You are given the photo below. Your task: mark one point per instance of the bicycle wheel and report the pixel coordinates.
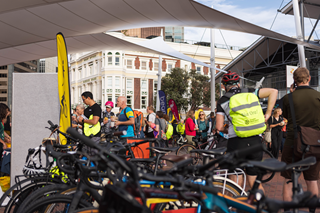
(267, 177)
(18, 186)
(87, 210)
(227, 188)
(55, 204)
(185, 149)
(19, 196)
(40, 193)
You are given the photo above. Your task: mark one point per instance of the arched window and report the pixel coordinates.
(117, 59)
(109, 58)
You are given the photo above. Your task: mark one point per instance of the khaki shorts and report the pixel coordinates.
(311, 174)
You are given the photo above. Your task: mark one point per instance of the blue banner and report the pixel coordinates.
(163, 101)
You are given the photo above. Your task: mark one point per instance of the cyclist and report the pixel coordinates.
(230, 82)
(106, 116)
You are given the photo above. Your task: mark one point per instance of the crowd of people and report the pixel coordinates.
(93, 122)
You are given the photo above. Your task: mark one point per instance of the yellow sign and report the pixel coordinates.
(63, 86)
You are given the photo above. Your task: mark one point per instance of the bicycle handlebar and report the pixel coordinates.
(55, 128)
(90, 143)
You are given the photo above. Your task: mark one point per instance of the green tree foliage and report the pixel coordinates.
(200, 90)
(175, 86)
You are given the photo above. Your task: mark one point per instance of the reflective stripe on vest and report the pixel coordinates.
(246, 128)
(235, 109)
(247, 116)
(90, 129)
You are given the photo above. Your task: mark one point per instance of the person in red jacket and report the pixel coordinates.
(191, 127)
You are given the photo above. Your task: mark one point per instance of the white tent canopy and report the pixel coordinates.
(29, 27)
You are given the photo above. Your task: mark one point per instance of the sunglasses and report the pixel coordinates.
(201, 114)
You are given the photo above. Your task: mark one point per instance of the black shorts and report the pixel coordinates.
(242, 143)
(310, 174)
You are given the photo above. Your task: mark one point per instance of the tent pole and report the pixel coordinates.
(212, 71)
(159, 82)
(302, 58)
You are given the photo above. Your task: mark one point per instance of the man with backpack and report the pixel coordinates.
(245, 115)
(150, 119)
(126, 118)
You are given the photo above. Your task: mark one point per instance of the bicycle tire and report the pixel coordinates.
(231, 188)
(183, 150)
(272, 173)
(17, 199)
(55, 203)
(17, 187)
(87, 210)
(40, 193)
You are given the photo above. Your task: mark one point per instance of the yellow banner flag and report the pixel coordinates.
(63, 86)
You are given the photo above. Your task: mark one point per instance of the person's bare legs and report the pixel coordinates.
(287, 190)
(237, 179)
(251, 180)
(312, 186)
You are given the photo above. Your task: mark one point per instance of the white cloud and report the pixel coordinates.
(260, 16)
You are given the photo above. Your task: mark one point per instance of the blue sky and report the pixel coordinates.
(259, 12)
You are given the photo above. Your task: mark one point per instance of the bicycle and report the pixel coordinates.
(178, 140)
(208, 145)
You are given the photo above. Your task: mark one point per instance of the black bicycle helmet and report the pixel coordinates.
(230, 78)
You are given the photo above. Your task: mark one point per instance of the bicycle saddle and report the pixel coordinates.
(175, 158)
(309, 161)
(218, 151)
(270, 164)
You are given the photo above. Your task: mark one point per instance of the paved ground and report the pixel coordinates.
(273, 188)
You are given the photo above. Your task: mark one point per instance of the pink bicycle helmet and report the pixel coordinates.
(109, 103)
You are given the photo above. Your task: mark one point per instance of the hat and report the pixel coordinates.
(109, 104)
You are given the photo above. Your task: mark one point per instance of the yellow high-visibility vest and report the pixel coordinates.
(90, 129)
(247, 115)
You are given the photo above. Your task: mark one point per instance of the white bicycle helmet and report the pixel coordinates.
(33, 166)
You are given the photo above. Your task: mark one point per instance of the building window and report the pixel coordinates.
(109, 97)
(3, 75)
(129, 101)
(3, 98)
(109, 58)
(143, 65)
(129, 84)
(117, 61)
(199, 70)
(144, 85)
(155, 88)
(117, 82)
(109, 81)
(129, 64)
(143, 102)
(169, 67)
(91, 69)
(156, 66)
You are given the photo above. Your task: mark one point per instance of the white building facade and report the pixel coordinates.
(110, 74)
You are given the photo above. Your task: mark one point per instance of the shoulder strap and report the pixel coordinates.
(228, 94)
(293, 116)
(243, 90)
(124, 112)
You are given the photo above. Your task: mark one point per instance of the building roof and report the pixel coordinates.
(28, 28)
(311, 9)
